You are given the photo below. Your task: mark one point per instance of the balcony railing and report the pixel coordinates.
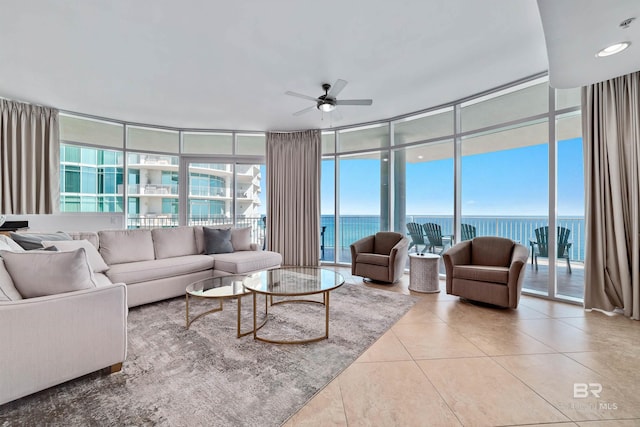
(153, 189)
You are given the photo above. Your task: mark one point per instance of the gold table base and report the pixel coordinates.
(239, 333)
(325, 302)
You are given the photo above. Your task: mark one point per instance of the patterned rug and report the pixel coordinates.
(207, 376)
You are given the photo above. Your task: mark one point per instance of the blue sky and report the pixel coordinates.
(511, 182)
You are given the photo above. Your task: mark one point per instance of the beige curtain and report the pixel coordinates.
(611, 134)
(293, 194)
(29, 159)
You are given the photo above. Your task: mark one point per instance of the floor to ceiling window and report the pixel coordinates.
(483, 166)
(220, 185)
(363, 186)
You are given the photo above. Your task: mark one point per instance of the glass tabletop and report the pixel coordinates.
(217, 287)
(293, 281)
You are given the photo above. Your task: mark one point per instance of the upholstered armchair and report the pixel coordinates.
(487, 269)
(381, 257)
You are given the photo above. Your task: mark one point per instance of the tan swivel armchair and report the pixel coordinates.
(487, 269)
(381, 257)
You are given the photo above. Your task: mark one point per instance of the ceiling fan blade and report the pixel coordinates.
(299, 95)
(337, 88)
(298, 113)
(354, 102)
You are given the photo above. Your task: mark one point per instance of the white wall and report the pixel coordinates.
(72, 221)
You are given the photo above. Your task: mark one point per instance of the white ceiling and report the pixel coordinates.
(226, 65)
(575, 30)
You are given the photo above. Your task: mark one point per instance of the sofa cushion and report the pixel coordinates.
(91, 236)
(8, 291)
(491, 250)
(118, 246)
(143, 271)
(8, 244)
(241, 239)
(217, 240)
(375, 259)
(41, 273)
(481, 273)
(93, 256)
(101, 279)
(384, 241)
(173, 242)
(246, 261)
(30, 241)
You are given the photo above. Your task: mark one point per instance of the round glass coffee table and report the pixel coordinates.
(292, 282)
(219, 288)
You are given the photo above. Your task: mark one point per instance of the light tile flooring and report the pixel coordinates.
(448, 362)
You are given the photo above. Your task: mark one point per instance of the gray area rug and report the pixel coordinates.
(207, 376)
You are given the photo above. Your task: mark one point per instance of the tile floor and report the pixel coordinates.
(450, 363)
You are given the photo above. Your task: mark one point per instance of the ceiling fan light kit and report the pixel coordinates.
(328, 102)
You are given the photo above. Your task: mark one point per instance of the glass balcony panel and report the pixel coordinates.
(207, 143)
(567, 98)
(361, 192)
(90, 131)
(431, 125)
(251, 144)
(570, 264)
(505, 106)
(362, 138)
(152, 139)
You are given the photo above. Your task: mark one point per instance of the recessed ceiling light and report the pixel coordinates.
(613, 49)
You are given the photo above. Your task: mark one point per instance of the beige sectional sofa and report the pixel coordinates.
(48, 340)
(158, 264)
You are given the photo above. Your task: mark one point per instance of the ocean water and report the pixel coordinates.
(520, 229)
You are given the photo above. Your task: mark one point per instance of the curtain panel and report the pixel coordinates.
(611, 134)
(29, 159)
(293, 194)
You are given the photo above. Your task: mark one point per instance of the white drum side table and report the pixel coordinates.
(423, 273)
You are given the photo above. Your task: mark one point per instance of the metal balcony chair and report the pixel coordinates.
(416, 233)
(540, 246)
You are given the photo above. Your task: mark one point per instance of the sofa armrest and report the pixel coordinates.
(516, 273)
(53, 339)
(255, 247)
(459, 254)
(398, 258)
(359, 246)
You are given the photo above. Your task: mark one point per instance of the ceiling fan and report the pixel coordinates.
(328, 102)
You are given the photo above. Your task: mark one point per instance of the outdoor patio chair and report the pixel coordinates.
(468, 231)
(540, 246)
(416, 233)
(433, 232)
(487, 269)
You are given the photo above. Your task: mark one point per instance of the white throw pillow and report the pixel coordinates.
(8, 244)
(93, 256)
(37, 274)
(241, 239)
(8, 291)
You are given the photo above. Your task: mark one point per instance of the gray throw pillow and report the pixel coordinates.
(30, 241)
(217, 240)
